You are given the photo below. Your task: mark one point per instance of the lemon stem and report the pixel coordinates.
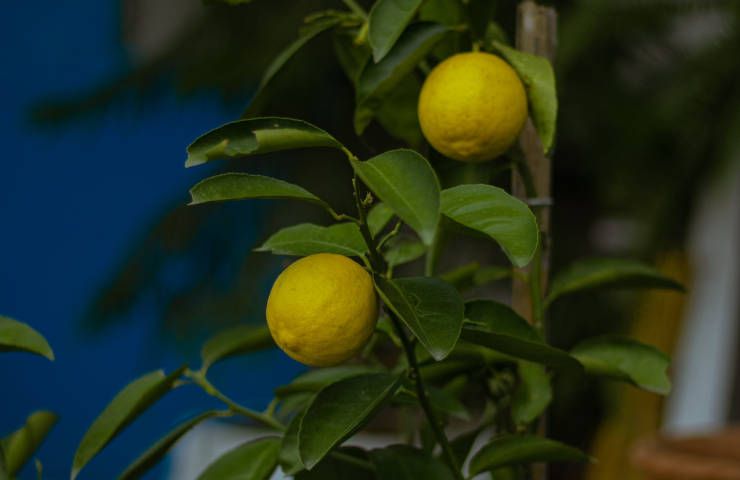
(376, 261)
(426, 406)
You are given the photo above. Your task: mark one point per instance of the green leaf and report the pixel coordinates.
(156, 452)
(342, 464)
(20, 445)
(447, 404)
(625, 359)
(495, 213)
(539, 80)
(235, 341)
(397, 112)
(386, 22)
(607, 273)
(403, 250)
(474, 275)
(289, 457)
(462, 445)
(431, 308)
(242, 186)
(16, 336)
(523, 449)
(378, 217)
(498, 327)
(255, 460)
(340, 410)
(255, 136)
(403, 462)
(125, 407)
(379, 79)
(307, 239)
(532, 394)
(307, 33)
(319, 378)
(405, 182)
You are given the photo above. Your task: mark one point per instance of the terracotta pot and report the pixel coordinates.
(708, 457)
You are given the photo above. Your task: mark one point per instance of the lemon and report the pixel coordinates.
(322, 309)
(472, 107)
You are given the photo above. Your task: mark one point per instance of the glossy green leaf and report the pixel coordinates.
(625, 359)
(386, 22)
(16, 336)
(378, 217)
(255, 136)
(405, 182)
(607, 273)
(20, 445)
(498, 327)
(523, 449)
(289, 457)
(125, 407)
(403, 462)
(539, 80)
(431, 308)
(532, 394)
(403, 250)
(153, 455)
(495, 213)
(308, 239)
(397, 112)
(352, 57)
(339, 410)
(306, 34)
(319, 378)
(235, 341)
(254, 460)
(243, 186)
(378, 79)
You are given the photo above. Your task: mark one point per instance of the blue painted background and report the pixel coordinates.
(72, 200)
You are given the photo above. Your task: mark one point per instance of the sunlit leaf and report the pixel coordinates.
(235, 341)
(255, 136)
(431, 308)
(539, 80)
(405, 182)
(307, 239)
(523, 449)
(387, 20)
(625, 359)
(607, 273)
(156, 452)
(20, 445)
(125, 407)
(339, 410)
(254, 460)
(492, 211)
(16, 336)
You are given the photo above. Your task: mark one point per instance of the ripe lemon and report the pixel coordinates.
(322, 309)
(472, 107)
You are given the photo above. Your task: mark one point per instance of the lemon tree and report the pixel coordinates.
(365, 300)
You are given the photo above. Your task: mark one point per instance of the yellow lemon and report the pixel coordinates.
(472, 107)
(322, 309)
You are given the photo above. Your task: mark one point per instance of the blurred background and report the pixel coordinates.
(99, 253)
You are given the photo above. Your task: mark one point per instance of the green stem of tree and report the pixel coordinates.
(426, 406)
(208, 387)
(355, 8)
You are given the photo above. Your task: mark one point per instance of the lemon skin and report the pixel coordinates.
(322, 309)
(472, 107)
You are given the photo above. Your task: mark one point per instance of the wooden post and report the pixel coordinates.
(536, 32)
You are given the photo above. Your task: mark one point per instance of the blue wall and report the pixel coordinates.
(72, 200)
